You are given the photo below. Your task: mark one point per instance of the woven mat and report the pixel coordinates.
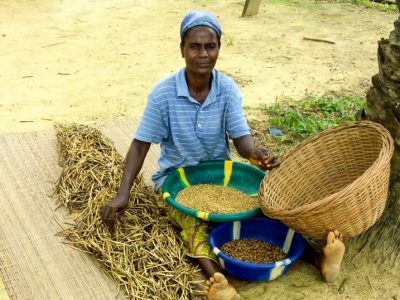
(34, 264)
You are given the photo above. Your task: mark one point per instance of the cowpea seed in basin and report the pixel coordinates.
(215, 199)
(253, 251)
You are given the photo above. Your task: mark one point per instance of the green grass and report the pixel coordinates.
(296, 3)
(313, 114)
(309, 3)
(300, 119)
(370, 4)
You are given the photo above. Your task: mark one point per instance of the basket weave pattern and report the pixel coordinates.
(335, 180)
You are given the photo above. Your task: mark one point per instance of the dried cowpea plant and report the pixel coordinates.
(142, 253)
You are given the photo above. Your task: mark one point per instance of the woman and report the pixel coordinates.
(191, 114)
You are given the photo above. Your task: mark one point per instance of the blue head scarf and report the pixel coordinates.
(200, 18)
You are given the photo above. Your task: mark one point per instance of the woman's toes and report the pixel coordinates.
(330, 237)
(218, 277)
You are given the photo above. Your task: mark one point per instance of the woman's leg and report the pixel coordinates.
(218, 288)
(194, 232)
(332, 256)
(328, 262)
(208, 266)
(311, 255)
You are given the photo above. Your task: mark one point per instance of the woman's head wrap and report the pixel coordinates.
(200, 18)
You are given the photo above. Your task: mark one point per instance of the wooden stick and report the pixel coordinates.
(318, 40)
(53, 44)
(341, 287)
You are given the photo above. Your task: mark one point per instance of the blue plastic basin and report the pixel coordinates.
(263, 229)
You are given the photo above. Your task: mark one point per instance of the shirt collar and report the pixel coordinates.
(182, 88)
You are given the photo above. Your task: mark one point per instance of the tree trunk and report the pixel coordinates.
(383, 98)
(381, 243)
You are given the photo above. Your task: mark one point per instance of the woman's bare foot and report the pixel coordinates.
(332, 256)
(218, 288)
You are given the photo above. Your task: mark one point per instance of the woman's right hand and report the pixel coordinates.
(114, 210)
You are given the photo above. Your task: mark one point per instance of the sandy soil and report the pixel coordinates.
(360, 278)
(97, 60)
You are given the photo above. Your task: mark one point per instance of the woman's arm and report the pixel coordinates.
(133, 164)
(260, 157)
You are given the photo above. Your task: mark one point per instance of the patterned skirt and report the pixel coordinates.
(193, 231)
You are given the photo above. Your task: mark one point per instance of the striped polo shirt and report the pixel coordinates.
(189, 132)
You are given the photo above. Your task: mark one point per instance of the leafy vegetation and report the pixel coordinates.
(296, 3)
(300, 119)
(313, 114)
(371, 4)
(365, 3)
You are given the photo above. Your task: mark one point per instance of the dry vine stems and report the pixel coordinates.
(142, 254)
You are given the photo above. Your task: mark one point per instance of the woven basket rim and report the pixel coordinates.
(334, 199)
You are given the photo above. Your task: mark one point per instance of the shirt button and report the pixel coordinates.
(199, 125)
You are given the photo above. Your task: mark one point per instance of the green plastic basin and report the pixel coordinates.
(237, 175)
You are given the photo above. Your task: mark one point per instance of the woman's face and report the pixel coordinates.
(200, 50)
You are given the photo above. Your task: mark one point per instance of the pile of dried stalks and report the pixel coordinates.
(142, 253)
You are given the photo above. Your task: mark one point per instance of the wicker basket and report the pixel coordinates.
(337, 179)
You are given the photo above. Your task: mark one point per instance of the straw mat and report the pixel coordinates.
(34, 264)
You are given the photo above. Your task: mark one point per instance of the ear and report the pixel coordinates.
(182, 53)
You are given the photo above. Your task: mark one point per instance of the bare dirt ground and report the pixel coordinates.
(97, 60)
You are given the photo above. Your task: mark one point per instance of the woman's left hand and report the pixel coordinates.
(263, 159)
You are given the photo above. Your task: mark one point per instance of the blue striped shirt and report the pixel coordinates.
(190, 132)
